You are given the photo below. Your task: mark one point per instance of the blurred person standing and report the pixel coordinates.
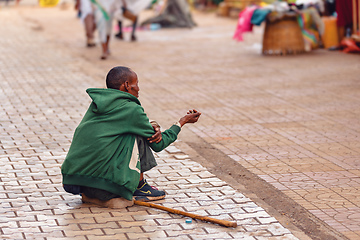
(344, 10)
(87, 17)
(173, 14)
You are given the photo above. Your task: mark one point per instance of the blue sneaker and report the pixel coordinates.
(147, 193)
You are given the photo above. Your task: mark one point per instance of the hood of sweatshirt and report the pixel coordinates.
(106, 99)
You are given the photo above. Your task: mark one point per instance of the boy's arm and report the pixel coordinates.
(170, 135)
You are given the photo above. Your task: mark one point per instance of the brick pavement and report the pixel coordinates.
(42, 100)
(291, 121)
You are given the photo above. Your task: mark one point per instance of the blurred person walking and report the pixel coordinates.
(104, 14)
(129, 9)
(87, 17)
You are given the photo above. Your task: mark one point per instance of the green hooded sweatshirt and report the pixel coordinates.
(103, 153)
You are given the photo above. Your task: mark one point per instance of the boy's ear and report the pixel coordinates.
(126, 86)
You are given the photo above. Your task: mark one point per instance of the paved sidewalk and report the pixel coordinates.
(42, 100)
(290, 121)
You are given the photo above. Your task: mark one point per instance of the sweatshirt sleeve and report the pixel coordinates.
(141, 125)
(168, 136)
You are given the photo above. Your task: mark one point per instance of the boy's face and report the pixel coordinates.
(133, 87)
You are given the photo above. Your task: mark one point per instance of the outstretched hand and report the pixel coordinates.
(192, 116)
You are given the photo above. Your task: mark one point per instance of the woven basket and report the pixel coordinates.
(282, 37)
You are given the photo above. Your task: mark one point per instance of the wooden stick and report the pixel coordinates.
(194, 216)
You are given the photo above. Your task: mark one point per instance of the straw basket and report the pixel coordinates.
(283, 36)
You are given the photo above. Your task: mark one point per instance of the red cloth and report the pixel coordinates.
(344, 12)
(244, 23)
(349, 46)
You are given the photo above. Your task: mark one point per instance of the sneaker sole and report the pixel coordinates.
(148, 199)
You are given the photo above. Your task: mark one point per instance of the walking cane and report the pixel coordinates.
(194, 216)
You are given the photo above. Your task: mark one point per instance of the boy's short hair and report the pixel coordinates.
(118, 76)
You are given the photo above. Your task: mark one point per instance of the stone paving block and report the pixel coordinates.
(242, 236)
(266, 220)
(135, 235)
(180, 157)
(171, 227)
(184, 231)
(15, 235)
(108, 225)
(110, 237)
(136, 224)
(74, 237)
(172, 149)
(219, 212)
(75, 233)
(225, 203)
(284, 237)
(202, 195)
(277, 229)
(24, 230)
(247, 221)
(241, 216)
(351, 234)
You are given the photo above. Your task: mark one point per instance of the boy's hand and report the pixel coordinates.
(192, 116)
(157, 137)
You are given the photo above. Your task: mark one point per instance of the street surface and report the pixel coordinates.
(277, 147)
